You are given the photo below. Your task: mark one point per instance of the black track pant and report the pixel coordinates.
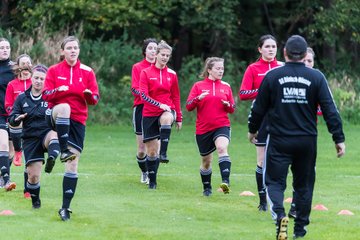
(300, 152)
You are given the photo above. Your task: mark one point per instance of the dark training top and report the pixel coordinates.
(290, 94)
(34, 124)
(6, 75)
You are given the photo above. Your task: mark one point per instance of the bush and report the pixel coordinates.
(345, 89)
(112, 62)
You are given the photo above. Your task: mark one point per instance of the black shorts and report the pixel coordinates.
(151, 127)
(3, 123)
(263, 133)
(137, 119)
(206, 141)
(76, 132)
(34, 149)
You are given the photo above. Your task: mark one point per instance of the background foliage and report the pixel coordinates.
(111, 33)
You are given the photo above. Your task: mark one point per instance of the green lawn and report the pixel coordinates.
(111, 203)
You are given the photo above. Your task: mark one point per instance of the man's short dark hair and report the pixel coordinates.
(296, 47)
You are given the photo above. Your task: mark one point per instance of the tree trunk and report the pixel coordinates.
(4, 12)
(329, 52)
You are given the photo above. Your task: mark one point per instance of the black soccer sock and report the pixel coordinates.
(142, 163)
(206, 177)
(15, 134)
(34, 190)
(165, 131)
(26, 177)
(5, 166)
(260, 184)
(153, 165)
(69, 187)
(62, 128)
(53, 148)
(225, 168)
(10, 162)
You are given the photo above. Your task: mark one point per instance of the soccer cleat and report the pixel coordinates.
(50, 163)
(152, 185)
(262, 207)
(225, 188)
(297, 236)
(299, 232)
(18, 158)
(9, 186)
(282, 228)
(67, 155)
(27, 195)
(163, 158)
(207, 192)
(144, 177)
(37, 204)
(292, 213)
(64, 214)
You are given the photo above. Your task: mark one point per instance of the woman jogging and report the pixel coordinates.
(69, 87)
(160, 93)
(213, 100)
(6, 75)
(29, 109)
(149, 52)
(22, 71)
(251, 81)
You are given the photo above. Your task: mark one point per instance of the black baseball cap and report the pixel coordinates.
(296, 45)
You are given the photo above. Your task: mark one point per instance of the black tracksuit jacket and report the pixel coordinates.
(290, 95)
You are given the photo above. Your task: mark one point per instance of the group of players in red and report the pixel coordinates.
(47, 109)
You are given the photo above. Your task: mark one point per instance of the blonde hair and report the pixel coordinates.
(310, 50)
(163, 45)
(4, 40)
(209, 64)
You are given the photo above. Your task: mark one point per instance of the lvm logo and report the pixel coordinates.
(294, 92)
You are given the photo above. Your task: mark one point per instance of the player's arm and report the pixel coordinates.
(9, 98)
(91, 93)
(135, 78)
(247, 91)
(17, 114)
(229, 103)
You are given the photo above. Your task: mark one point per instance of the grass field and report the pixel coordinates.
(111, 203)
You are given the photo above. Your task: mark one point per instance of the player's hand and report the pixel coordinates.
(252, 137)
(226, 103)
(178, 125)
(63, 88)
(87, 92)
(165, 107)
(20, 117)
(340, 149)
(202, 95)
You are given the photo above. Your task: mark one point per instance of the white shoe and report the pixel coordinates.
(144, 177)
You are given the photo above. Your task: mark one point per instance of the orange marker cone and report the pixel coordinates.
(7, 212)
(247, 193)
(320, 207)
(346, 212)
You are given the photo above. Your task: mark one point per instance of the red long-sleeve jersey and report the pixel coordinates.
(135, 80)
(159, 86)
(253, 77)
(211, 112)
(78, 78)
(13, 89)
